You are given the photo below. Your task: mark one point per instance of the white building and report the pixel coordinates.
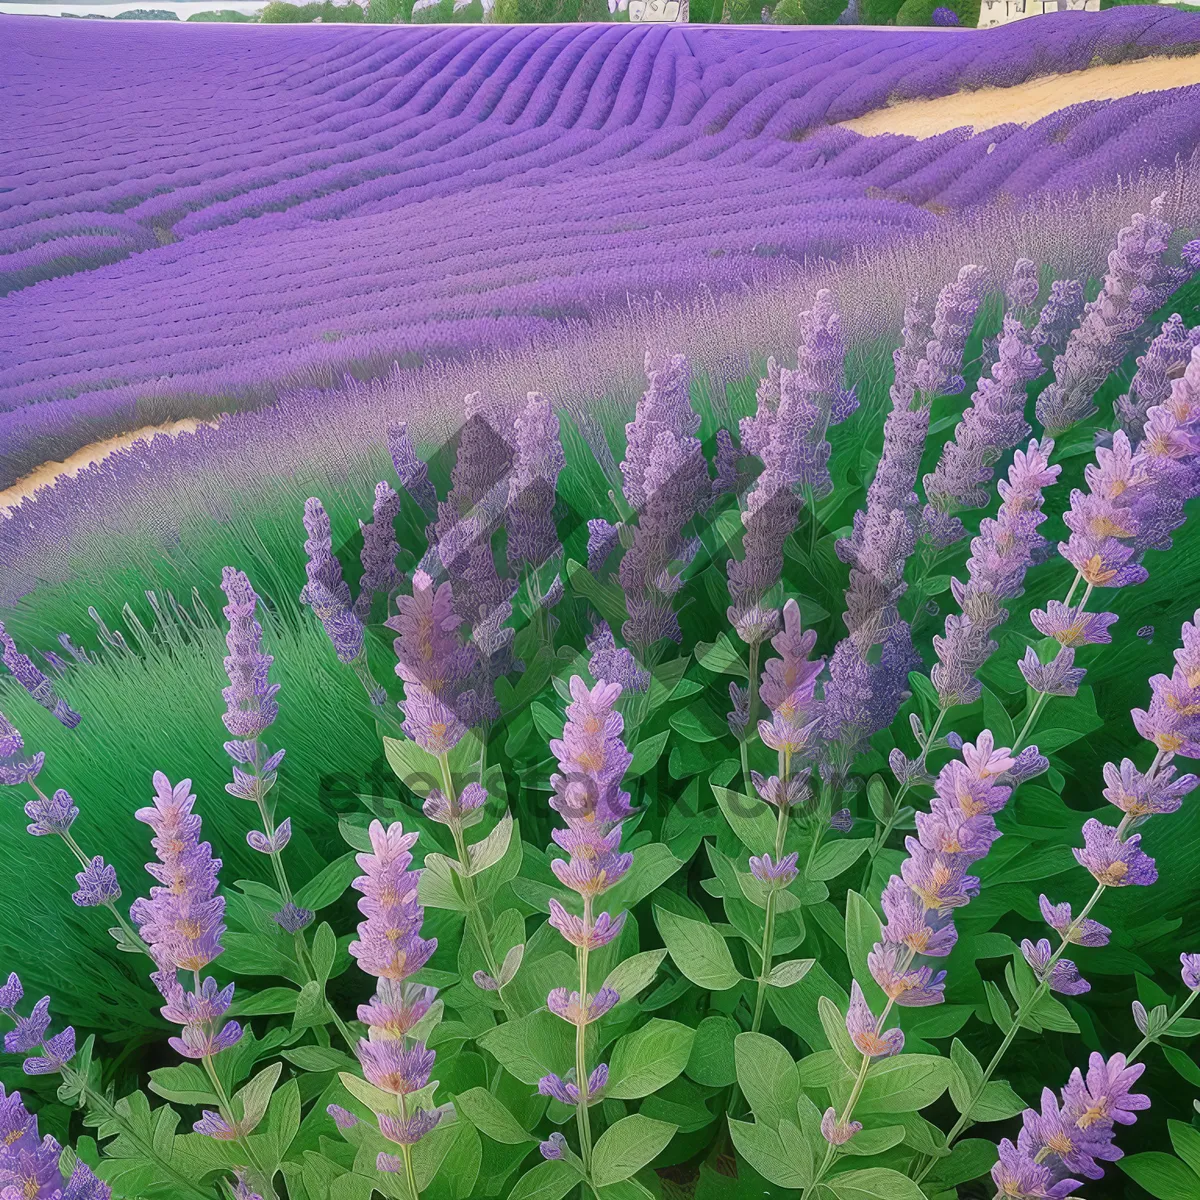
(1000, 12)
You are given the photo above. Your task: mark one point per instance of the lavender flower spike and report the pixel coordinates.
(532, 536)
(34, 681)
(1071, 1136)
(1138, 281)
(410, 470)
(379, 574)
(17, 765)
(326, 592)
(391, 948)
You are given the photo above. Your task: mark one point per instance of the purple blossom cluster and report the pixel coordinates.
(592, 760)
(1006, 547)
(181, 921)
(390, 948)
(1072, 1135)
(666, 484)
(326, 592)
(43, 1056)
(35, 681)
(1138, 282)
(29, 1166)
(958, 830)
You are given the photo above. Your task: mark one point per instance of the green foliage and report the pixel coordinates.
(278, 12)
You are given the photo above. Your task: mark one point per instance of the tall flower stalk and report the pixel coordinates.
(1113, 856)
(181, 922)
(592, 760)
(390, 948)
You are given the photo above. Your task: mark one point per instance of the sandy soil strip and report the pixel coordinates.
(1025, 103)
(50, 473)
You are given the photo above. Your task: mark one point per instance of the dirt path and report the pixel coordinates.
(1025, 103)
(50, 473)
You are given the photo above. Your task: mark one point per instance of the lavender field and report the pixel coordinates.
(661, 657)
(246, 210)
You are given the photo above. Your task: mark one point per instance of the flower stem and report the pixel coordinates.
(406, 1154)
(582, 1118)
(226, 1109)
(748, 732)
(766, 953)
(883, 832)
(474, 911)
(1137, 1050)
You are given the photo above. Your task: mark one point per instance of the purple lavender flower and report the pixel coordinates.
(725, 461)
(433, 663)
(1021, 290)
(291, 918)
(1071, 626)
(17, 766)
(250, 698)
(553, 1147)
(465, 809)
(602, 541)
(1063, 976)
(939, 371)
(774, 875)
(410, 470)
(11, 994)
(1190, 253)
(788, 686)
(1172, 723)
(576, 1011)
(391, 948)
(864, 1028)
(919, 903)
(50, 815)
(34, 681)
(1112, 861)
(97, 885)
(532, 536)
(1059, 316)
(1000, 557)
(379, 574)
(617, 665)
(565, 1090)
(1138, 281)
(841, 821)
(1191, 970)
(326, 592)
(29, 1166)
(342, 1118)
(1080, 933)
(389, 945)
(1075, 1136)
(832, 1131)
(30, 1035)
(590, 937)
(1060, 677)
(30, 1031)
(1144, 795)
(405, 1132)
(181, 921)
(991, 426)
(1165, 359)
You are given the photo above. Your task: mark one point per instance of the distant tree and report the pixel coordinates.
(146, 14)
(945, 17)
(230, 15)
(880, 12)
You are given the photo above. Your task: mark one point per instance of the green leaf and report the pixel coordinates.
(996, 1102)
(547, 1181)
(874, 1141)
(905, 1083)
(647, 752)
(721, 657)
(329, 884)
(998, 1006)
(698, 723)
(256, 1095)
(711, 1061)
(489, 1116)
(1184, 1065)
(996, 718)
(752, 819)
(880, 799)
(833, 1022)
(698, 950)
(836, 857)
(607, 598)
(628, 1146)
(875, 1183)
(787, 974)
(767, 1076)
(648, 1059)
(763, 1148)
(1186, 1141)
(1163, 1176)
(863, 930)
(184, 1084)
(531, 1046)
(376, 1099)
(417, 769)
(634, 974)
(324, 950)
(311, 1008)
(438, 886)
(653, 865)
(970, 1158)
(319, 1058)
(491, 849)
